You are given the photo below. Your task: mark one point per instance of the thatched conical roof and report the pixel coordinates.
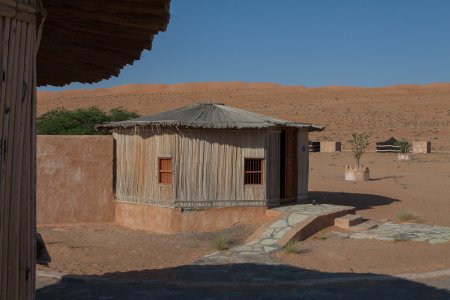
(88, 41)
(209, 115)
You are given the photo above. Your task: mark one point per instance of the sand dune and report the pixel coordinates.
(404, 111)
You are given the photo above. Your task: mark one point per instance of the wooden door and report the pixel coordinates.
(290, 167)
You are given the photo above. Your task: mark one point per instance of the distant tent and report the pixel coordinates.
(314, 146)
(388, 146)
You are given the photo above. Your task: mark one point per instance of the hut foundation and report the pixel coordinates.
(175, 220)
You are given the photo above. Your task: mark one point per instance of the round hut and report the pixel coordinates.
(206, 156)
(82, 40)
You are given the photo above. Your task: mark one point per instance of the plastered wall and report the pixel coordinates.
(74, 179)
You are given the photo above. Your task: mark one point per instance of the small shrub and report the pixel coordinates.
(405, 217)
(221, 241)
(404, 146)
(359, 144)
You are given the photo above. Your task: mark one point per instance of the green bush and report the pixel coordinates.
(81, 121)
(404, 146)
(359, 144)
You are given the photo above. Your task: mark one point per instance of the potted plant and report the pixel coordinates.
(404, 148)
(359, 144)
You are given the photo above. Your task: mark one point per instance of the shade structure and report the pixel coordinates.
(90, 40)
(81, 40)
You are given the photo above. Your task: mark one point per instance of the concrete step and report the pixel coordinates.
(364, 226)
(348, 221)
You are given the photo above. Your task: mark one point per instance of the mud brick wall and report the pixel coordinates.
(74, 179)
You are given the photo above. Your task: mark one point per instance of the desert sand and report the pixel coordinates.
(420, 187)
(87, 249)
(415, 112)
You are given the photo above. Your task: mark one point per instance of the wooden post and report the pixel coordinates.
(18, 48)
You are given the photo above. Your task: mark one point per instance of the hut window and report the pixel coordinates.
(253, 171)
(165, 170)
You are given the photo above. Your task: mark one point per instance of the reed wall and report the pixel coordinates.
(137, 166)
(208, 167)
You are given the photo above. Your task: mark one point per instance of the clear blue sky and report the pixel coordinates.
(310, 43)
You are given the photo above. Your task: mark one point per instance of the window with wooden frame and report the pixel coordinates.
(253, 171)
(165, 170)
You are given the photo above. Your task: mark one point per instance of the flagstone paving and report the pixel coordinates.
(257, 250)
(405, 232)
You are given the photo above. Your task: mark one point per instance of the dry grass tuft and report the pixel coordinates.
(404, 217)
(221, 241)
(292, 248)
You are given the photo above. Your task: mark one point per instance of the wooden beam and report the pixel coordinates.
(17, 156)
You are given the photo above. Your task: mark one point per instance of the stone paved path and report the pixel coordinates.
(257, 250)
(406, 232)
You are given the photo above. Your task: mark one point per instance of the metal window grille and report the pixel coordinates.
(165, 170)
(253, 171)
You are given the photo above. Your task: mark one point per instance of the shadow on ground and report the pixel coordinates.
(386, 177)
(359, 201)
(237, 281)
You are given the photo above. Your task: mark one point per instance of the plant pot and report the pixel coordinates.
(360, 173)
(403, 156)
